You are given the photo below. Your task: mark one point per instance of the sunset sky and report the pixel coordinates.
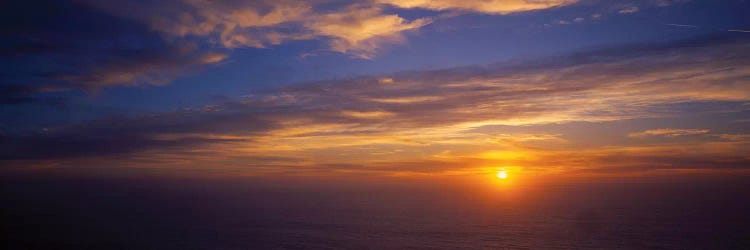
(375, 88)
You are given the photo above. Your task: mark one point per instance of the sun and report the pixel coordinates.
(501, 174)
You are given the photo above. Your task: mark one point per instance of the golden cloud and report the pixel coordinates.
(482, 6)
(361, 31)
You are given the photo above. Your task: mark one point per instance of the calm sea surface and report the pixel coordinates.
(107, 214)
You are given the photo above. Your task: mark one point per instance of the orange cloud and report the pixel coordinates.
(482, 6)
(360, 31)
(367, 114)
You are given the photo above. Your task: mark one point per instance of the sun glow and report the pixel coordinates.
(502, 174)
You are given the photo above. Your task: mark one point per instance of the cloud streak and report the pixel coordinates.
(501, 7)
(669, 132)
(359, 29)
(362, 31)
(66, 47)
(430, 117)
(95, 44)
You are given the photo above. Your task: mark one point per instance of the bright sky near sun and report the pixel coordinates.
(502, 174)
(375, 87)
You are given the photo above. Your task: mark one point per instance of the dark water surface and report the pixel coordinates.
(130, 214)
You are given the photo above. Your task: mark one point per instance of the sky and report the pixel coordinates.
(375, 88)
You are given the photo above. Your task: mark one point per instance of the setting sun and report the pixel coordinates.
(501, 174)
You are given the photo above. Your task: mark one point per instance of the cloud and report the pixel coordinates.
(367, 115)
(362, 31)
(629, 10)
(666, 3)
(501, 7)
(134, 135)
(416, 116)
(231, 23)
(82, 48)
(358, 28)
(659, 158)
(681, 25)
(93, 44)
(20, 94)
(699, 27)
(669, 132)
(147, 68)
(735, 137)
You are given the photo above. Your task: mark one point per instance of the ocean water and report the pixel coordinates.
(140, 214)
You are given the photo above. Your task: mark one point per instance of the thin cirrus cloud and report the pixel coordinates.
(142, 69)
(669, 132)
(429, 119)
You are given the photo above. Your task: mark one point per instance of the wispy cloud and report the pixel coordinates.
(141, 69)
(362, 31)
(629, 10)
(698, 27)
(359, 28)
(415, 117)
(482, 6)
(104, 43)
(666, 3)
(669, 132)
(231, 23)
(681, 25)
(83, 48)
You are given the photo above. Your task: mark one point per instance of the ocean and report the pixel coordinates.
(192, 214)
